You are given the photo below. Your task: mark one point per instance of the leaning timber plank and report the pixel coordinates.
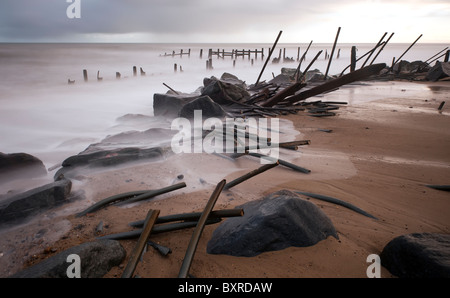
(357, 75)
(280, 96)
(152, 215)
(187, 261)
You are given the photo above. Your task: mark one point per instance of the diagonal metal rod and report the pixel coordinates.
(378, 44)
(184, 270)
(382, 47)
(268, 58)
(332, 52)
(396, 61)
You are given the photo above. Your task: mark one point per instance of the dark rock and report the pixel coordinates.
(223, 92)
(418, 255)
(205, 104)
(153, 137)
(32, 202)
(290, 72)
(281, 79)
(20, 165)
(278, 221)
(170, 104)
(314, 76)
(439, 71)
(106, 158)
(232, 79)
(406, 67)
(96, 259)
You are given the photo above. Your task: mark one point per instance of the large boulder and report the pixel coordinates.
(406, 67)
(277, 221)
(439, 71)
(169, 105)
(20, 166)
(205, 104)
(96, 259)
(20, 207)
(223, 92)
(418, 255)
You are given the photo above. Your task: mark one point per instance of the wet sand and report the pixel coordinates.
(379, 156)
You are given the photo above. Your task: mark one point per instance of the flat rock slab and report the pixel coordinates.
(106, 158)
(32, 202)
(277, 221)
(418, 255)
(96, 259)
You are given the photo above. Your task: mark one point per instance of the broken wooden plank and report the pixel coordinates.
(280, 96)
(357, 75)
(152, 215)
(187, 261)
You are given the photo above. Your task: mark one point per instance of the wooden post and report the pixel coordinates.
(117, 75)
(175, 67)
(298, 53)
(441, 105)
(353, 59)
(201, 53)
(142, 72)
(332, 52)
(134, 71)
(234, 63)
(268, 58)
(98, 76)
(338, 54)
(85, 75)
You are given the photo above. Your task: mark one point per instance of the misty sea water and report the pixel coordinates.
(43, 115)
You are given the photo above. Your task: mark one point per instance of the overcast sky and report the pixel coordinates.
(237, 21)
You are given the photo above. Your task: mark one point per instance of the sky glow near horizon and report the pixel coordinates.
(233, 21)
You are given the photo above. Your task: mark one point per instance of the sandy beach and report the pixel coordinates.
(379, 156)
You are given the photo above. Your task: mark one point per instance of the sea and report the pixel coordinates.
(42, 114)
